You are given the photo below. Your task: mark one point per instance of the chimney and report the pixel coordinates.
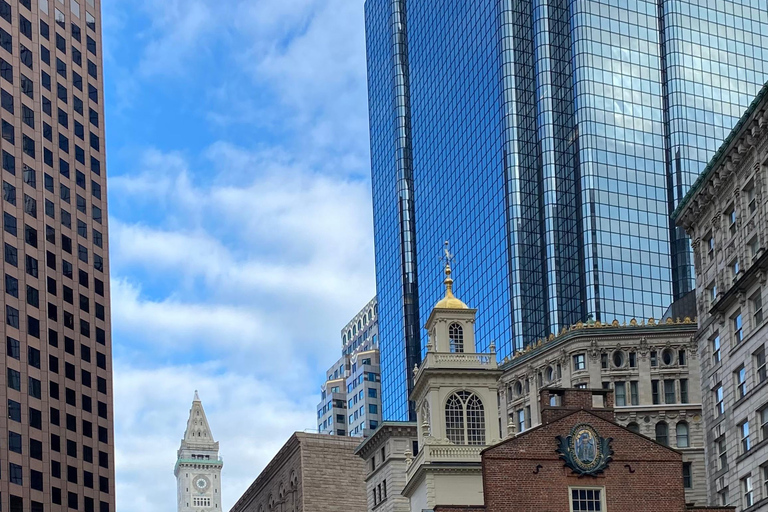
(558, 402)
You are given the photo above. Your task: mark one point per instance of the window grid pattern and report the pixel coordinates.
(465, 419)
(586, 500)
(456, 335)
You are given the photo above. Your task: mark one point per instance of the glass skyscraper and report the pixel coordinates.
(549, 141)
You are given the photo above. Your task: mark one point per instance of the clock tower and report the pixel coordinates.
(198, 465)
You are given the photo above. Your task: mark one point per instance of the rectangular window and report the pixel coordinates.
(579, 362)
(719, 404)
(621, 394)
(760, 365)
(740, 377)
(732, 217)
(757, 309)
(716, 349)
(687, 475)
(655, 392)
(738, 334)
(669, 392)
(762, 416)
(746, 489)
(683, 391)
(634, 393)
(746, 443)
(587, 499)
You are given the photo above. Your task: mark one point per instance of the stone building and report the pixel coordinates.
(580, 459)
(726, 216)
(310, 473)
(350, 398)
(386, 454)
(198, 465)
(652, 368)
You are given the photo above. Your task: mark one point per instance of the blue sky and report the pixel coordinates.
(240, 223)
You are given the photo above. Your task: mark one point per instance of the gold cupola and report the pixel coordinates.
(449, 301)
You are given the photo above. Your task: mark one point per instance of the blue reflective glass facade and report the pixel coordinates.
(548, 141)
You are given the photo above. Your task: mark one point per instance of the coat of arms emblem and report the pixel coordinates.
(584, 451)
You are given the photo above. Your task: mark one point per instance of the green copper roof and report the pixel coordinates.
(721, 152)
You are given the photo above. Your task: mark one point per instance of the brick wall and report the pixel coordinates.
(525, 474)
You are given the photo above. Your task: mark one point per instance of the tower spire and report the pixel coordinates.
(449, 301)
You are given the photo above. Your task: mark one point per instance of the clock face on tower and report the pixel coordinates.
(201, 483)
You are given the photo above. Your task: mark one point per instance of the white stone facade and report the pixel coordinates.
(726, 217)
(198, 465)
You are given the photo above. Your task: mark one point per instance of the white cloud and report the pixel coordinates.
(250, 417)
(247, 276)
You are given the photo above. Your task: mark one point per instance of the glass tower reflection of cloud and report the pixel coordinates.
(549, 141)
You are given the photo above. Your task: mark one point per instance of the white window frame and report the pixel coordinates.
(572, 488)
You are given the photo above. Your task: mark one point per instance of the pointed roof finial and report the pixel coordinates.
(449, 301)
(197, 397)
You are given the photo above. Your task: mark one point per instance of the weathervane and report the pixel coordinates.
(447, 256)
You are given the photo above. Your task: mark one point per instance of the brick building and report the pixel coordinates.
(310, 473)
(578, 459)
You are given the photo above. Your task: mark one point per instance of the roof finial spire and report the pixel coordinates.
(449, 301)
(197, 397)
(448, 281)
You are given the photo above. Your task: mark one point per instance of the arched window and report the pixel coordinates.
(344, 339)
(682, 435)
(662, 433)
(456, 335)
(634, 427)
(550, 374)
(465, 419)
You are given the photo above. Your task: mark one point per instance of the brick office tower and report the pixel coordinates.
(580, 459)
(56, 438)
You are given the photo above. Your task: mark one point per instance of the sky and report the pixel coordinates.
(240, 223)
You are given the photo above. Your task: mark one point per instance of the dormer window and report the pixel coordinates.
(456, 335)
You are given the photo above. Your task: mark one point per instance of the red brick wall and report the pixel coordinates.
(525, 474)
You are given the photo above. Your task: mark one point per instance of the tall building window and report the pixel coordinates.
(683, 391)
(621, 394)
(740, 377)
(589, 499)
(687, 475)
(669, 391)
(716, 349)
(722, 453)
(682, 435)
(465, 419)
(746, 489)
(738, 333)
(655, 392)
(732, 220)
(634, 394)
(719, 404)
(757, 309)
(456, 335)
(579, 362)
(760, 365)
(521, 420)
(662, 433)
(746, 444)
(762, 415)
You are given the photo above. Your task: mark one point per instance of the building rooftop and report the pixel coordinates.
(582, 328)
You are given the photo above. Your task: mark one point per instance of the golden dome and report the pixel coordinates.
(449, 301)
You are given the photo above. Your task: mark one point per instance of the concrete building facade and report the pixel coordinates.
(350, 398)
(726, 216)
(57, 432)
(198, 465)
(386, 454)
(652, 368)
(310, 473)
